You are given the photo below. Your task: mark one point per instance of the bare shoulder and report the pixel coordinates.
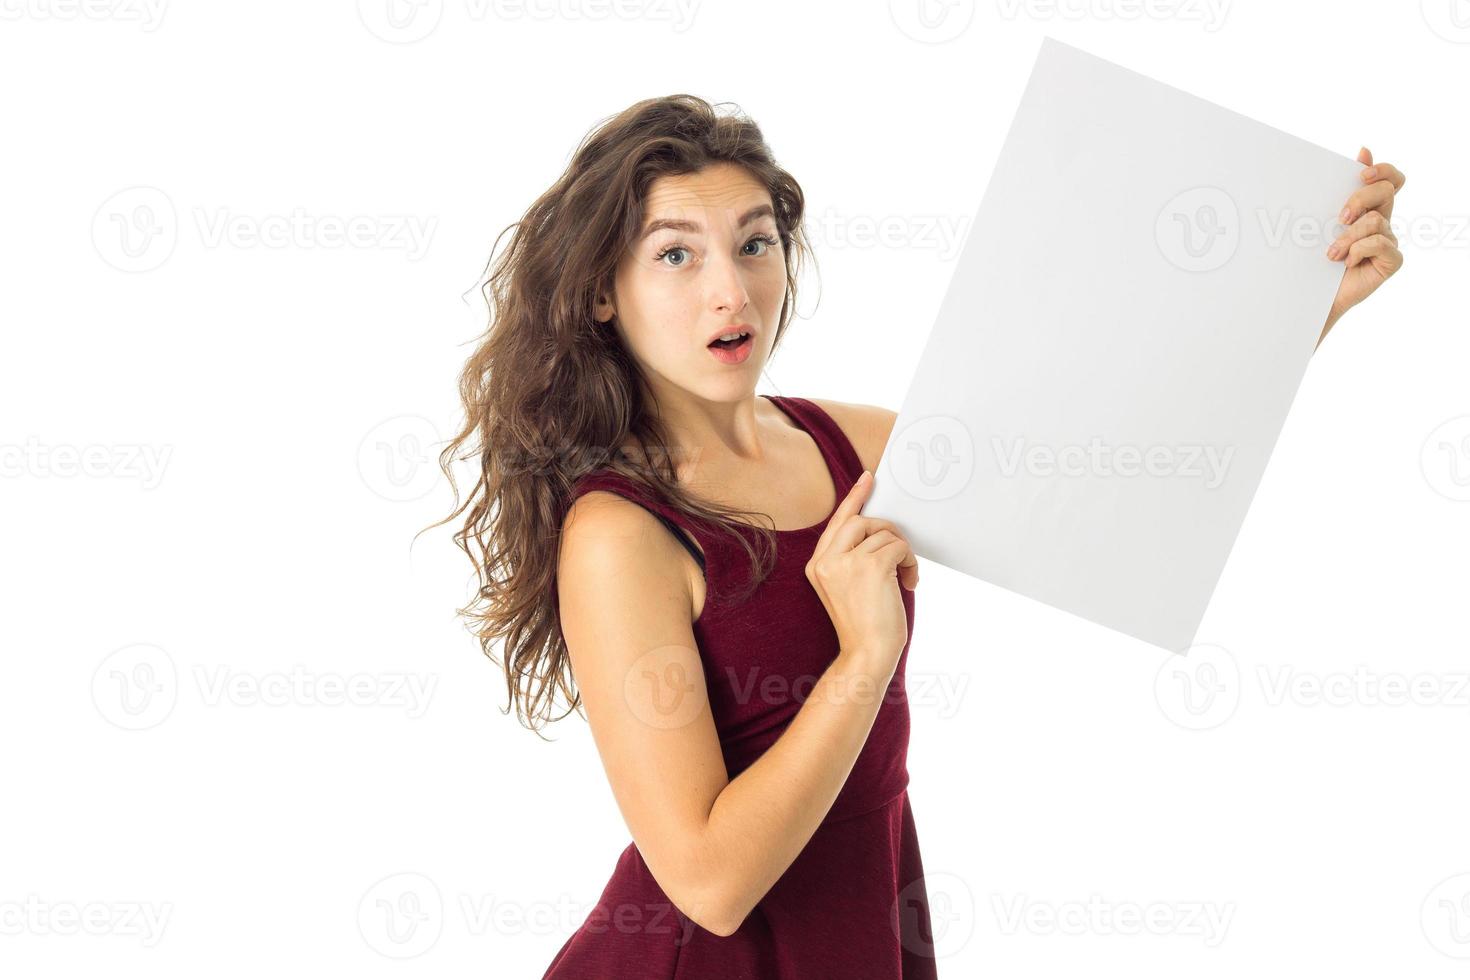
(610, 542)
(867, 427)
(625, 616)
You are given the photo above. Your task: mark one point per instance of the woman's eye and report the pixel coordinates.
(671, 250)
(764, 242)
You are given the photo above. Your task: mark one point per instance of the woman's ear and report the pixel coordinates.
(603, 309)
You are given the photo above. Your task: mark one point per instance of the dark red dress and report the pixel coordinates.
(853, 905)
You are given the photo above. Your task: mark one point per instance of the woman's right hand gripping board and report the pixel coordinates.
(857, 568)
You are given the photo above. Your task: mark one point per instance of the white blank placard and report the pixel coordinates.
(1143, 284)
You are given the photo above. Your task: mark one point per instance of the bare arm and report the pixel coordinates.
(1332, 318)
(714, 845)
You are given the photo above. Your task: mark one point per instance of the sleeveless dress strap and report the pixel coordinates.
(667, 515)
(720, 558)
(842, 458)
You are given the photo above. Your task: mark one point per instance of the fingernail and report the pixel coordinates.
(1370, 173)
(1332, 250)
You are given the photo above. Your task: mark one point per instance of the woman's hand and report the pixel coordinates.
(1368, 246)
(856, 568)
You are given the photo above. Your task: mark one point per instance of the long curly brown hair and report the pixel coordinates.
(549, 395)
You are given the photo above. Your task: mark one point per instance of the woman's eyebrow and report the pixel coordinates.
(694, 227)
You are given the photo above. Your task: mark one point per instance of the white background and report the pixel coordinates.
(179, 774)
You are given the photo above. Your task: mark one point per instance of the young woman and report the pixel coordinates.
(743, 678)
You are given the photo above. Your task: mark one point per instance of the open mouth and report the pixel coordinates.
(730, 344)
(732, 351)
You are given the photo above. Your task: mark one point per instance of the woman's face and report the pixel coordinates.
(709, 262)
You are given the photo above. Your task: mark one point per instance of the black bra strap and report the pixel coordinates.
(678, 532)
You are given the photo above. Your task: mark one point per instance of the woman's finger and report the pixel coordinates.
(1376, 246)
(1372, 223)
(902, 555)
(1385, 171)
(1377, 196)
(908, 568)
(876, 540)
(857, 528)
(850, 505)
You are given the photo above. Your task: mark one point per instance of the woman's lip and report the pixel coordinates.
(736, 354)
(734, 328)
